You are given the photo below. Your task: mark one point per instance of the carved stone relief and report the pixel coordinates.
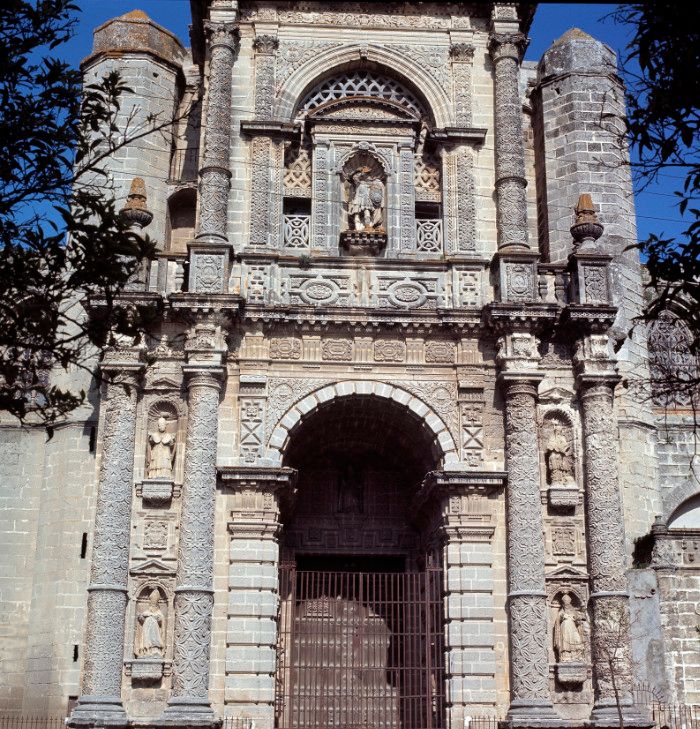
(471, 414)
(283, 393)
(294, 54)
(462, 55)
(261, 164)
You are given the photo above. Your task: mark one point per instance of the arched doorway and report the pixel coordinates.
(360, 632)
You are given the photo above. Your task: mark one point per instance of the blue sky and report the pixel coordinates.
(656, 207)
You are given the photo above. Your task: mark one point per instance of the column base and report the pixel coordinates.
(533, 713)
(190, 713)
(98, 711)
(605, 714)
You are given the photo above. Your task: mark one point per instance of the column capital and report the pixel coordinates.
(461, 52)
(123, 363)
(439, 486)
(259, 492)
(222, 34)
(518, 358)
(266, 44)
(507, 45)
(594, 361)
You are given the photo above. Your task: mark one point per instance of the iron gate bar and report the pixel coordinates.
(359, 650)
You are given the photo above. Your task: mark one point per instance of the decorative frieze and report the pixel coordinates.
(440, 351)
(339, 350)
(285, 348)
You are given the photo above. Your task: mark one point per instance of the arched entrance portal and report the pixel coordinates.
(360, 634)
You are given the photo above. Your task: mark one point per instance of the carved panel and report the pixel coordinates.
(257, 284)
(285, 348)
(403, 292)
(297, 171)
(318, 290)
(441, 351)
(389, 350)
(294, 54)
(155, 534)
(337, 349)
(283, 393)
(471, 414)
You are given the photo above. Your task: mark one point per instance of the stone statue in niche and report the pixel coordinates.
(558, 455)
(350, 489)
(151, 619)
(366, 207)
(568, 639)
(161, 455)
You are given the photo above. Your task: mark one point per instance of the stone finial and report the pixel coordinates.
(135, 210)
(587, 229)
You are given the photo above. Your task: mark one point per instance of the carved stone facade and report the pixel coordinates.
(365, 371)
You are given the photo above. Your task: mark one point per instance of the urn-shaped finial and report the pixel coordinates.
(587, 229)
(135, 211)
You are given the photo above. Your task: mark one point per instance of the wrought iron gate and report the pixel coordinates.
(360, 650)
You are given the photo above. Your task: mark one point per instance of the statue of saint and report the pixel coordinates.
(568, 642)
(559, 459)
(350, 489)
(367, 204)
(151, 620)
(162, 451)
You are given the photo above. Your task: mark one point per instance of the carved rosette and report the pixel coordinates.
(214, 174)
(526, 583)
(606, 549)
(194, 594)
(107, 593)
(506, 50)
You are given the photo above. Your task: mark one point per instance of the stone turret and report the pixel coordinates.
(149, 59)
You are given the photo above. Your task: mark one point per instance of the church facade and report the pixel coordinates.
(387, 457)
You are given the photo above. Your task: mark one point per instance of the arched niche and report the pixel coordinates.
(151, 623)
(182, 212)
(558, 459)
(162, 440)
(687, 515)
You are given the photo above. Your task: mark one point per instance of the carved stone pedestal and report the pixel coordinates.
(155, 491)
(572, 673)
(363, 242)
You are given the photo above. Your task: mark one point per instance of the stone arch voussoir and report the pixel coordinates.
(444, 446)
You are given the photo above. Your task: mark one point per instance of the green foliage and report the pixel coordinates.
(664, 131)
(61, 237)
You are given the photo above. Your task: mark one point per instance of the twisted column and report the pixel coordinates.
(194, 595)
(529, 658)
(511, 211)
(107, 592)
(606, 554)
(214, 172)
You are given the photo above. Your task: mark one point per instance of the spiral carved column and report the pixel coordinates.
(606, 554)
(511, 210)
(194, 595)
(214, 172)
(527, 607)
(107, 592)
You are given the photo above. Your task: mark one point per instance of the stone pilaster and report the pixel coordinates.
(527, 607)
(511, 213)
(459, 523)
(100, 703)
(253, 602)
(407, 222)
(208, 258)
(194, 597)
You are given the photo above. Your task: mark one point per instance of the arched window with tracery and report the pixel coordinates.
(673, 366)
